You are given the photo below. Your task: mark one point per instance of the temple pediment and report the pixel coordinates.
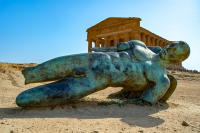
(113, 21)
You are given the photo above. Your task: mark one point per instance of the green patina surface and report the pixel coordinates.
(130, 65)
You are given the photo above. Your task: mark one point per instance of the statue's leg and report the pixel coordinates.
(59, 92)
(55, 69)
(173, 84)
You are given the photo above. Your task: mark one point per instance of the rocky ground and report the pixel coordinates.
(180, 114)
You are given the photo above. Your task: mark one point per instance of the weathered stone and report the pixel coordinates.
(184, 123)
(115, 29)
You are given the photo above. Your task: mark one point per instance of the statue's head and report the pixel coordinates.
(175, 52)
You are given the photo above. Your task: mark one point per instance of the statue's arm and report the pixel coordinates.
(155, 49)
(105, 49)
(156, 89)
(142, 53)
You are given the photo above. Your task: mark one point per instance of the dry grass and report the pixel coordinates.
(13, 66)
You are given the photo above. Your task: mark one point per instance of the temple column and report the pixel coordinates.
(136, 35)
(97, 43)
(106, 41)
(89, 46)
(147, 40)
(152, 41)
(142, 37)
(160, 43)
(126, 37)
(156, 42)
(103, 44)
(116, 40)
(133, 36)
(150, 44)
(164, 44)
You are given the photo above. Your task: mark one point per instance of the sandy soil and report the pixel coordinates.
(180, 114)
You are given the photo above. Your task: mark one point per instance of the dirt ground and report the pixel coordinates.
(180, 114)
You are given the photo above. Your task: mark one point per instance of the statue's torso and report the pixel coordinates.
(123, 70)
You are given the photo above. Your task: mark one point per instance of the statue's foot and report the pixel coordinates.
(45, 95)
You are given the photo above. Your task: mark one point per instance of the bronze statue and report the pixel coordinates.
(131, 65)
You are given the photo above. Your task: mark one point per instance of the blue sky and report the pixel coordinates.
(38, 30)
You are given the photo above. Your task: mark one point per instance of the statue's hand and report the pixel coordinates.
(173, 84)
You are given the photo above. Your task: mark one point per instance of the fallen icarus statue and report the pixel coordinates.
(130, 65)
